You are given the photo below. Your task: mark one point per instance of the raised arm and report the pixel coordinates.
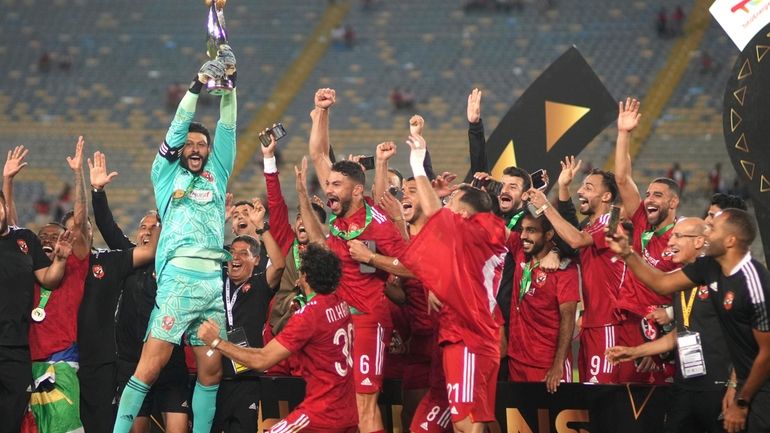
(566, 231)
(319, 134)
(477, 146)
(429, 200)
(309, 217)
(384, 152)
(81, 246)
(100, 178)
(276, 204)
(255, 359)
(628, 119)
(50, 277)
(13, 166)
(224, 148)
(273, 272)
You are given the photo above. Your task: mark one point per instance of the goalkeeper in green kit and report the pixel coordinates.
(189, 176)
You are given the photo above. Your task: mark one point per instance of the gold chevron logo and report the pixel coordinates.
(559, 118)
(741, 143)
(748, 168)
(740, 95)
(764, 185)
(638, 411)
(735, 120)
(745, 70)
(761, 51)
(507, 159)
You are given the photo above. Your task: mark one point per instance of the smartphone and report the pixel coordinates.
(363, 267)
(276, 131)
(367, 162)
(614, 220)
(396, 192)
(538, 180)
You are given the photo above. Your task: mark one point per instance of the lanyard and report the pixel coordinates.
(295, 252)
(687, 306)
(302, 300)
(44, 295)
(355, 233)
(230, 302)
(647, 235)
(515, 219)
(526, 279)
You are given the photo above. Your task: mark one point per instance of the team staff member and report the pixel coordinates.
(22, 262)
(653, 218)
(542, 311)
(96, 314)
(739, 288)
(695, 401)
(247, 293)
(356, 217)
(318, 335)
(602, 274)
(170, 395)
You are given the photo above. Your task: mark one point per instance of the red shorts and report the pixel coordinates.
(592, 364)
(518, 372)
(432, 414)
(630, 335)
(297, 421)
(471, 382)
(370, 341)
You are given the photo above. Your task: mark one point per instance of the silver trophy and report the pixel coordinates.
(218, 48)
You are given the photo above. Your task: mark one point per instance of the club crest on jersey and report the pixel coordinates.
(649, 330)
(167, 323)
(208, 176)
(98, 271)
(728, 302)
(540, 278)
(353, 227)
(703, 293)
(22, 245)
(246, 287)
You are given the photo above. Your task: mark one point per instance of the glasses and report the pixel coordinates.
(682, 235)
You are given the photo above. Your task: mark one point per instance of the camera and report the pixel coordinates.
(492, 186)
(367, 162)
(277, 131)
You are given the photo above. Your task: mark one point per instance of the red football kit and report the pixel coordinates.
(603, 274)
(59, 330)
(535, 319)
(637, 300)
(365, 291)
(319, 337)
(460, 260)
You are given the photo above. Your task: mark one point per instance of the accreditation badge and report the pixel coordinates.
(238, 337)
(691, 360)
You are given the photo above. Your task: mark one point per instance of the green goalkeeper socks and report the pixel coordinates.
(130, 403)
(204, 404)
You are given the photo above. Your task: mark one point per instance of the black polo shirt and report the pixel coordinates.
(20, 256)
(247, 308)
(704, 320)
(742, 303)
(96, 317)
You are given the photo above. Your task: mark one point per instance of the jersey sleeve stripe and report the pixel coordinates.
(757, 297)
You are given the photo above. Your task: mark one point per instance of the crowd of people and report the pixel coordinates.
(449, 286)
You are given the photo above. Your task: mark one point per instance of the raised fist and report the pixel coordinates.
(325, 98)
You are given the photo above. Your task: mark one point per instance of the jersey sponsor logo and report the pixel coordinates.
(208, 176)
(22, 245)
(728, 302)
(366, 382)
(703, 293)
(246, 287)
(167, 323)
(202, 195)
(98, 271)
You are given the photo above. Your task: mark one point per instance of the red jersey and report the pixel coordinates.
(366, 291)
(635, 296)
(460, 260)
(603, 275)
(416, 307)
(59, 330)
(319, 336)
(535, 317)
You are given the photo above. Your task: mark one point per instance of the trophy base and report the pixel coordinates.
(219, 87)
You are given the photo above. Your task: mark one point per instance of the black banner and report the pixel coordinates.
(746, 125)
(558, 115)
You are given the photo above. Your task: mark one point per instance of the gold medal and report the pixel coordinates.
(38, 314)
(178, 194)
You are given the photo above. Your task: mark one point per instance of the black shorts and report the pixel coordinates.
(237, 405)
(170, 393)
(15, 379)
(759, 414)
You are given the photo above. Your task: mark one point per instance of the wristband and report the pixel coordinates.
(195, 86)
(731, 384)
(265, 227)
(97, 188)
(270, 165)
(213, 346)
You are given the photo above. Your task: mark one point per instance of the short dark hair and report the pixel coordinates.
(321, 268)
(198, 127)
(728, 201)
(608, 180)
(520, 173)
(544, 222)
(398, 174)
(319, 212)
(350, 169)
(477, 199)
(742, 224)
(670, 183)
(254, 247)
(243, 202)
